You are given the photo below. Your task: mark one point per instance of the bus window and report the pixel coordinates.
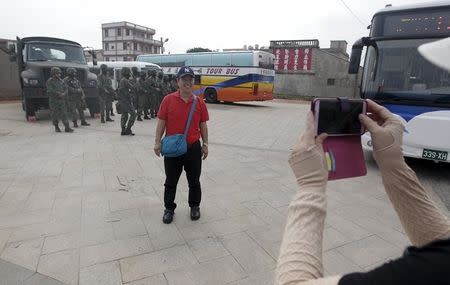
(241, 59)
(201, 60)
(184, 60)
(220, 59)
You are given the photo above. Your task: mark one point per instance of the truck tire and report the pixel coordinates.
(211, 95)
(30, 110)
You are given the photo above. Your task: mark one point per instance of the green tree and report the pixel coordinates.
(198, 49)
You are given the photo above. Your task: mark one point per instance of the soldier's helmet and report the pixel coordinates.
(135, 70)
(71, 71)
(152, 72)
(143, 74)
(166, 78)
(160, 74)
(125, 71)
(55, 70)
(103, 68)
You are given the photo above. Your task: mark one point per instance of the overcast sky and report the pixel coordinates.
(211, 24)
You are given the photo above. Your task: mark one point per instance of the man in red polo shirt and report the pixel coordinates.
(172, 118)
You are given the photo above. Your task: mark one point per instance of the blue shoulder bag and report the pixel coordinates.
(176, 145)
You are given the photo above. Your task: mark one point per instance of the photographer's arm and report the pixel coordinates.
(300, 259)
(421, 219)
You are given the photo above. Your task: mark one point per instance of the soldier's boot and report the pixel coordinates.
(57, 129)
(123, 133)
(152, 114)
(139, 118)
(102, 120)
(146, 117)
(84, 123)
(75, 124)
(67, 129)
(112, 113)
(128, 132)
(108, 119)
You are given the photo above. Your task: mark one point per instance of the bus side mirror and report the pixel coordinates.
(355, 57)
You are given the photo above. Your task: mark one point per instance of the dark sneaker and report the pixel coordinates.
(57, 129)
(168, 216)
(139, 118)
(147, 117)
(128, 132)
(109, 120)
(84, 123)
(102, 120)
(68, 130)
(195, 213)
(75, 124)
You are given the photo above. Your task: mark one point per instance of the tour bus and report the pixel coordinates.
(114, 68)
(398, 77)
(224, 76)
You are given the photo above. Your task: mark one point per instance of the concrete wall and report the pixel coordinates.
(9, 78)
(314, 84)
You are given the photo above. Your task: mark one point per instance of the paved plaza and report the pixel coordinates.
(85, 208)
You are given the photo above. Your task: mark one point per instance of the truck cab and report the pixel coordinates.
(36, 56)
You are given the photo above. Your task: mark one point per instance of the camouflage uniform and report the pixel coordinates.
(56, 92)
(167, 88)
(126, 99)
(159, 90)
(142, 97)
(134, 79)
(173, 83)
(114, 94)
(75, 98)
(105, 94)
(151, 84)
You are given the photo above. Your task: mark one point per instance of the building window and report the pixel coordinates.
(106, 58)
(119, 31)
(112, 47)
(106, 33)
(127, 32)
(135, 46)
(106, 46)
(124, 45)
(330, 81)
(125, 58)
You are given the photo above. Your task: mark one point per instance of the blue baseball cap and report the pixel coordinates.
(185, 70)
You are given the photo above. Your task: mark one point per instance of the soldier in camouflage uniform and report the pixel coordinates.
(142, 94)
(126, 99)
(134, 79)
(151, 83)
(167, 88)
(160, 90)
(105, 94)
(173, 83)
(114, 94)
(75, 98)
(56, 92)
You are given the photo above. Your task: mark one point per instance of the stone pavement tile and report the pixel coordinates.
(269, 239)
(114, 250)
(369, 251)
(276, 198)
(346, 227)
(62, 266)
(268, 214)
(134, 203)
(248, 253)
(25, 218)
(39, 279)
(154, 280)
(218, 271)
(4, 237)
(335, 263)
(127, 224)
(262, 278)
(147, 265)
(207, 249)
(101, 274)
(237, 224)
(333, 238)
(13, 274)
(41, 230)
(196, 231)
(61, 242)
(161, 235)
(16, 196)
(25, 253)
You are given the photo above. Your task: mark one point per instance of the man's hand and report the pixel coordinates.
(204, 151)
(157, 149)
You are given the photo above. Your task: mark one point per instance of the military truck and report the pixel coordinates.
(35, 57)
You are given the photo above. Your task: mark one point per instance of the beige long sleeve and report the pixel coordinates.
(300, 259)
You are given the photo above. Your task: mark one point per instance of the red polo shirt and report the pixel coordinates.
(175, 111)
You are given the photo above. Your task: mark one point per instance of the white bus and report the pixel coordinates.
(224, 76)
(114, 68)
(398, 77)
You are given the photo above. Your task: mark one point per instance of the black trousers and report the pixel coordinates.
(173, 166)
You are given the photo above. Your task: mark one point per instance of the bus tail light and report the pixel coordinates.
(255, 88)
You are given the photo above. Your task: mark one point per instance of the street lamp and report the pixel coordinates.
(162, 44)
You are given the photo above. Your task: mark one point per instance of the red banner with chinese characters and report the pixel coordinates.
(292, 59)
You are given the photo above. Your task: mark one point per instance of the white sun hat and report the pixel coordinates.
(437, 52)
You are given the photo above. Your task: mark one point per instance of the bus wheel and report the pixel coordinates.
(211, 95)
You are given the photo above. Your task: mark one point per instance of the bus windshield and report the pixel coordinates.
(52, 51)
(395, 70)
